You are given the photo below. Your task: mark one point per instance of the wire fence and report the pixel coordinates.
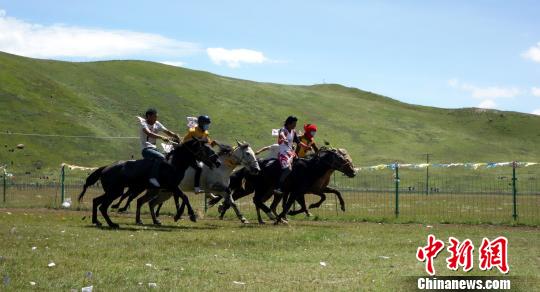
(504, 195)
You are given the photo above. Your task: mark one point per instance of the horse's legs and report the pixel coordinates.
(275, 203)
(214, 201)
(229, 201)
(222, 209)
(124, 195)
(338, 195)
(95, 203)
(319, 203)
(103, 208)
(159, 208)
(259, 217)
(257, 200)
(180, 211)
(303, 209)
(292, 197)
(185, 200)
(132, 195)
(152, 204)
(141, 201)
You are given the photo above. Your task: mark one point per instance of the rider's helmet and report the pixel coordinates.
(310, 130)
(203, 122)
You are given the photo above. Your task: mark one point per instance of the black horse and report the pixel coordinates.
(136, 173)
(306, 173)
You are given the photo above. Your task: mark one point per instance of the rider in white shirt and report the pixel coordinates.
(286, 139)
(149, 131)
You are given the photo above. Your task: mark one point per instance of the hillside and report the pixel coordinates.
(102, 99)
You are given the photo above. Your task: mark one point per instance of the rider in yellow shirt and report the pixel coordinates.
(307, 141)
(199, 132)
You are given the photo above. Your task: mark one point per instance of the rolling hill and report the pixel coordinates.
(103, 98)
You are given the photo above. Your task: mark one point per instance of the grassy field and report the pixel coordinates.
(102, 98)
(224, 255)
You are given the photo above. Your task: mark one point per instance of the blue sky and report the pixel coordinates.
(437, 53)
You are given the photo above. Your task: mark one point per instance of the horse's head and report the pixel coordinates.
(201, 151)
(338, 159)
(245, 156)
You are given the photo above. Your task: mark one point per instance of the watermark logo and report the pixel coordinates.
(491, 254)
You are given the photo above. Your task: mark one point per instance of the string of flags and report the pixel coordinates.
(470, 165)
(77, 167)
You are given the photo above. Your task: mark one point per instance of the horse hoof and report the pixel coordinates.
(193, 218)
(244, 220)
(262, 222)
(157, 222)
(114, 226)
(138, 222)
(176, 218)
(309, 214)
(122, 210)
(98, 224)
(343, 209)
(220, 208)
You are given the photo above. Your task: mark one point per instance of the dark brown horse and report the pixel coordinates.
(306, 173)
(136, 173)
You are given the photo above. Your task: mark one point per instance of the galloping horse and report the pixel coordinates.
(213, 180)
(309, 172)
(136, 173)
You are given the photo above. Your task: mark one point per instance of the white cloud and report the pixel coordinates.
(488, 103)
(536, 112)
(61, 41)
(234, 57)
(533, 53)
(489, 92)
(173, 63)
(535, 91)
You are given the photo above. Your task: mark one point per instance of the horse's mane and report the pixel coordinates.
(224, 149)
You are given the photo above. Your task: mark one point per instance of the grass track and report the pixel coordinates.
(211, 254)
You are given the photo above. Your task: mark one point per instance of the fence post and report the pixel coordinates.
(205, 203)
(396, 167)
(514, 190)
(62, 188)
(335, 197)
(5, 184)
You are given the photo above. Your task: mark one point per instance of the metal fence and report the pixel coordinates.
(504, 195)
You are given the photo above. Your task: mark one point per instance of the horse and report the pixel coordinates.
(136, 173)
(214, 180)
(307, 172)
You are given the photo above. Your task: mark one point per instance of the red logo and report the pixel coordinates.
(430, 252)
(494, 254)
(491, 254)
(461, 254)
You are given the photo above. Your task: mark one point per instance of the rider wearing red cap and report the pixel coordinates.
(307, 141)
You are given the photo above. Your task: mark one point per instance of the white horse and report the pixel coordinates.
(214, 181)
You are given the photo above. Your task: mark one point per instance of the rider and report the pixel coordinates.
(199, 132)
(286, 139)
(307, 141)
(149, 132)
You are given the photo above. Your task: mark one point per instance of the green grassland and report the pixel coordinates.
(212, 255)
(102, 99)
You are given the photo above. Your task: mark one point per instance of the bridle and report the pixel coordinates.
(340, 166)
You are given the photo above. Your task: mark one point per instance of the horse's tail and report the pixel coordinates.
(90, 180)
